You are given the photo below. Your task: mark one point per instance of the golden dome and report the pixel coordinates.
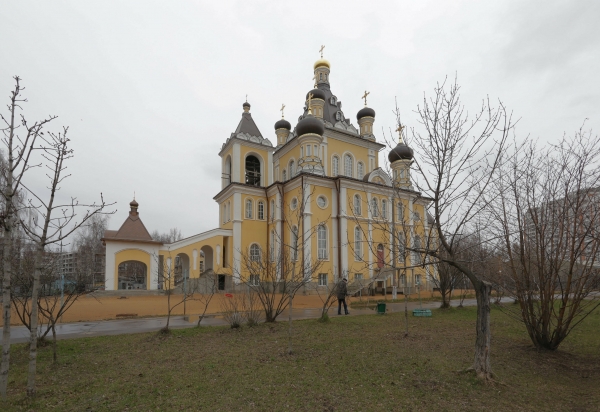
(322, 62)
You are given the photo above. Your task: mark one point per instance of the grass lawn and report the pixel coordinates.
(350, 364)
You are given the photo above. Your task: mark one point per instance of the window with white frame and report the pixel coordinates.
(322, 241)
(283, 175)
(400, 211)
(294, 204)
(348, 165)
(254, 280)
(358, 276)
(333, 100)
(261, 210)
(249, 207)
(294, 243)
(255, 253)
(416, 245)
(384, 208)
(416, 216)
(292, 168)
(357, 205)
(417, 280)
(335, 166)
(322, 279)
(374, 207)
(360, 170)
(321, 201)
(401, 246)
(358, 243)
(308, 150)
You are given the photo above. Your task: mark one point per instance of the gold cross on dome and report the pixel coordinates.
(399, 130)
(282, 107)
(310, 96)
(365, 97)
(321, 50)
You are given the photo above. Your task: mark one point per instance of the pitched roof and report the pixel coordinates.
(131, 229)
(247, 125)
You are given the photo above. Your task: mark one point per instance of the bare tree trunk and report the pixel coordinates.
(54, 356)
(290, 329)
(34, 324)
(7, 269)
(482, 364)
(405, 312)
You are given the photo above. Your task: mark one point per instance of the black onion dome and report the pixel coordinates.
(310, 124)
(134, 203)
(364, 112)
(246, 104)
(283, 124)
(401, 152)
(317, 94)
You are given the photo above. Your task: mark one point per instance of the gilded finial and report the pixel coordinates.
(310, 96)
(399, 130)
(321, 50)
(365, 97)
(282, 107)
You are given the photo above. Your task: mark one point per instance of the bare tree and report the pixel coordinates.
(19, 140)
(51, 227)
(328, 296)
(547, 209)
(90, 250)
(173, 236)
(457, 158)
(446, 282)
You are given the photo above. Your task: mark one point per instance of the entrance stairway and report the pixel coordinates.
(358, 285)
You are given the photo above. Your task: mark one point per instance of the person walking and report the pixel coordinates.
(342, 292)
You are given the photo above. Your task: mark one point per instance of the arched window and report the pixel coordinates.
(384, 208)
(255, 253)
(261, 210)
(348, 165)
(272, 211)
(333, 100)
(322, 241)
(228, 169)
(283, 175)
(252, 171)
(401, 247)
(400, 211)
(294, 243)
(292, 169)
(249, 208)
(357, 205)
(335, 166)
(360, 170)
(374, 207)
(357, 243)
(338, 116)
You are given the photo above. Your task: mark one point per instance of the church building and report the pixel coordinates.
(319, 186)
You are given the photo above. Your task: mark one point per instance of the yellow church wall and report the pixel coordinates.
(284, 161)
(132, 254)
(337, 147)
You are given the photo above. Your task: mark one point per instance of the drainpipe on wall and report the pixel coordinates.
(339, 228)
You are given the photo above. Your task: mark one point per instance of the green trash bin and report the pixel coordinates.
(381, 308)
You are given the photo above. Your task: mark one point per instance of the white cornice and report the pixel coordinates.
(250, 143)
(196, 238)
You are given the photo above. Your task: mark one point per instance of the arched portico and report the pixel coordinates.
(132, 274)
(207, 251)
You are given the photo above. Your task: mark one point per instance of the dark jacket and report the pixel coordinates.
(342, 289)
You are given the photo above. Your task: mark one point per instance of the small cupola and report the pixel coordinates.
(366, 118)
(310, 137)
(401, 157)
(282, 129)
(321, 69)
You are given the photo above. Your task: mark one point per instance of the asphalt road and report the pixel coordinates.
(20, 334)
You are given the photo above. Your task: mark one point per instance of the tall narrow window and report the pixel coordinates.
(255, 253)
(357, 205)
(248, 209)
(360, 170)
(384, 208)
(294, 243)
(283, 175)
(272, 246)
(292, 168)
(261, 210)
(335, 166)
(416, 255)
(357, 243)
(322, 241)
(272, 211)
(348, 165)
(374, 207)
(401, 248)
(400, 211)
(308, 150)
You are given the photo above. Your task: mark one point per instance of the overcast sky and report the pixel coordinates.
(151, 90)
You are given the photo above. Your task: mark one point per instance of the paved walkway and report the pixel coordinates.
(20, 334)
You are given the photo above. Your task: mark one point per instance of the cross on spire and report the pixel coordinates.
(321, 50)
(282, 107)
(365, 97)
(399, 130)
